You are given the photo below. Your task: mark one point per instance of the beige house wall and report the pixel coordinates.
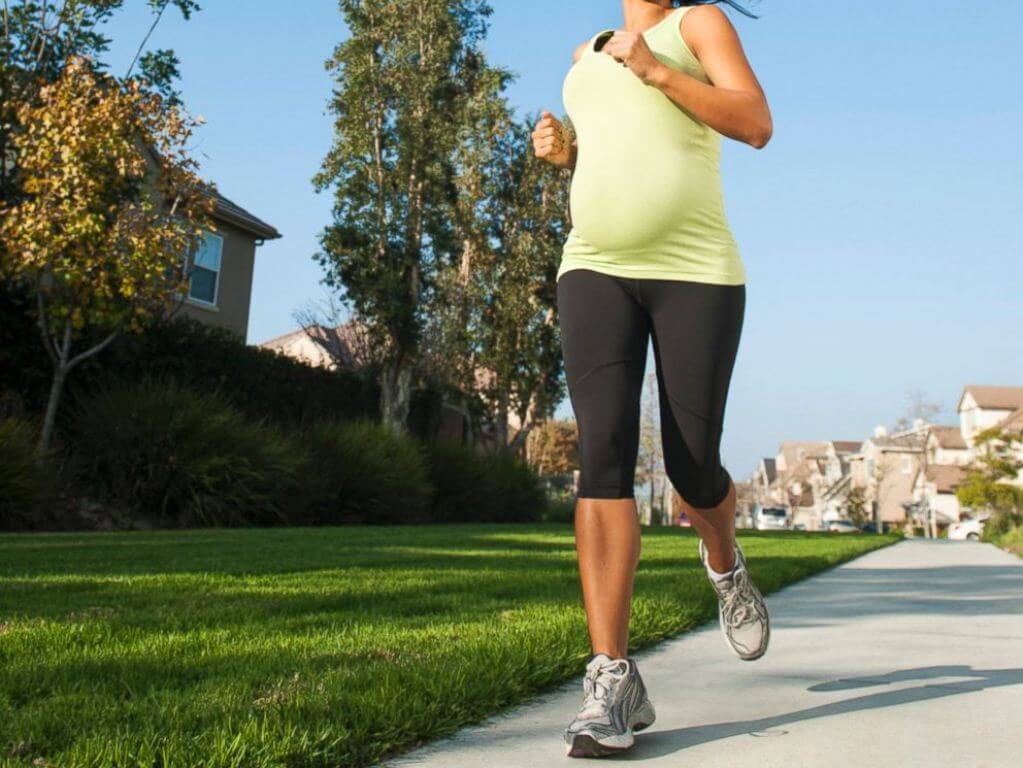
(974, 419)
(234, 285)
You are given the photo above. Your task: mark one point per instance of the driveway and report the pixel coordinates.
(909, 656)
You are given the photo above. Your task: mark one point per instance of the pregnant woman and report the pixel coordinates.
(650, 256)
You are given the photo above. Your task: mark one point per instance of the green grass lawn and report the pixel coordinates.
(313, 647)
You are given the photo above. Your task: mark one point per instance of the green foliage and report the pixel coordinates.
(165, 452)
(406, 81)
(985, 486)
(856, 507)
(260, 383)
(25, 479)
(1001, 523)
(317, 647)
(363, 472)
(1011, 540)
(483, 487)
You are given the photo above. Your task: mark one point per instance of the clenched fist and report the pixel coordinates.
(552, 142)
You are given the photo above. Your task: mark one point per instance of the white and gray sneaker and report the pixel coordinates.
(615, 705)
(742, 611)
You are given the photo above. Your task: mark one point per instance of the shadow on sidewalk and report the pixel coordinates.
(660, 743)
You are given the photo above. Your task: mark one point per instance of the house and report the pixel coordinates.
(934, 489)
(346, 347)
(220, 271)
(834, 481)
(886, 467)
(809, 478)
(983, 407)
(947, 446)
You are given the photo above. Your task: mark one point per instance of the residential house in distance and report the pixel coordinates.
(345, 347)
(765, 483)
(885, 470)
(912, 473)
(220, 282)
(982, 407)
(934, 488)
(808, 478)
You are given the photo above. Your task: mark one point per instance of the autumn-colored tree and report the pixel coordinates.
(109, 207)
(553, 448)
(37, 39)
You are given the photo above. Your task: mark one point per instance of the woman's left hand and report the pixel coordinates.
(630, 49)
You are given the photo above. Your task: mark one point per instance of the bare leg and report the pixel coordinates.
(607, 543)
(716, 526)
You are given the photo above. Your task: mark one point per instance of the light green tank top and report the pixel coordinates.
(646, 198)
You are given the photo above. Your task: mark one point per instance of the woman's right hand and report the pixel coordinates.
(552, 142)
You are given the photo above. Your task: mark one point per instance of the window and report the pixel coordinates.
(204, 284)
(907, 465)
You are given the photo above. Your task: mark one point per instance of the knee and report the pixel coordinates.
(703, 487)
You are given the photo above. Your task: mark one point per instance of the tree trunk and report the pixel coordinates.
(50, 420)
(396, 394)
(61, 367)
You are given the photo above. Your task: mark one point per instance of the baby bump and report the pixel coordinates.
(628, 201)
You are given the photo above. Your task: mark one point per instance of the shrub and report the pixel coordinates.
(1000, 523)
(362, 472)
(259, 382)
(160, 450)
(483, 487)
(24, 478)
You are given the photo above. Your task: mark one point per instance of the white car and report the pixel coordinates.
(841, 526)
(967, 530)
(771, 519)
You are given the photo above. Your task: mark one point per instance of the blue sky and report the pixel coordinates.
(881, 228)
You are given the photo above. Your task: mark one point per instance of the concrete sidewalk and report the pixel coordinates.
(910, 656)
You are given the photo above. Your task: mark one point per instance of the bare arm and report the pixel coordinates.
(733, 104)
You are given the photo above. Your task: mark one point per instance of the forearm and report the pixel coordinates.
(739, 115)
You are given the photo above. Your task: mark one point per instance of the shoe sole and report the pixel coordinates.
(585, 745)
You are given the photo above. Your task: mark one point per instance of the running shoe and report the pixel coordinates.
(615, 705)
(742, 611)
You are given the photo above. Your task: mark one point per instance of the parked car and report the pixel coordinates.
(771, 519)
(842, 526)
(871, 527)
(967, 530)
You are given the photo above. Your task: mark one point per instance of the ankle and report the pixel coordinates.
(721, 561)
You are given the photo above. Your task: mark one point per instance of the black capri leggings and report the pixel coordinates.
(605, 324)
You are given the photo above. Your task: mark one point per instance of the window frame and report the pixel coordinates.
(215, 304)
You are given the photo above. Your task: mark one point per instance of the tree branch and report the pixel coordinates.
(91, 352)
(145, 40)
(44, 329)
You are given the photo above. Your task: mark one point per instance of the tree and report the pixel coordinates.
(988, 484)
(553, 448)
(110, 207)
(856, 507)
(650, 459)
(918, 408)
(402, 82)
(38, 38)
(513, 289)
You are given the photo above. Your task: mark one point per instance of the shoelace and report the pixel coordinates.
(735, 603)
(597, 685)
